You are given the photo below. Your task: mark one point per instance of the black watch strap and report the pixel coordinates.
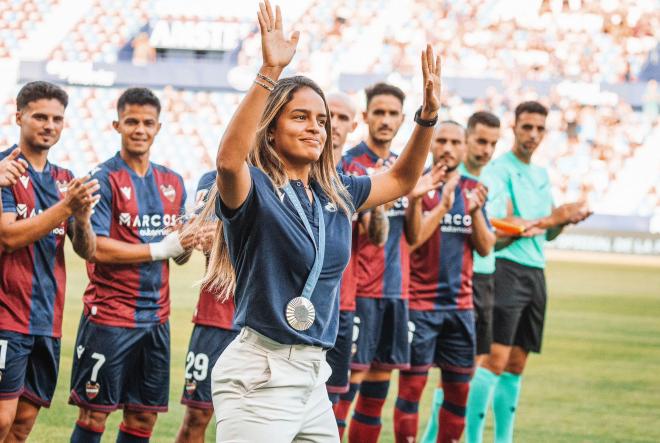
(426, 123)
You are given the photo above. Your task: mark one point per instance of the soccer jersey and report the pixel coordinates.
(528, 188)
(34, 277)
(348, 285)
(495, 208)
(210, 311)
(381, 271)
(138, 210)
(441, 268)
(273, 254)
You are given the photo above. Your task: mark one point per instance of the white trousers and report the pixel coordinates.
(264, 391)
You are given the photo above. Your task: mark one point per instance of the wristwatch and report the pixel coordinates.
(426, 123)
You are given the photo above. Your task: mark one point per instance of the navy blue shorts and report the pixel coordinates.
(116, 367)
(339, 357)
(443, 338)
(383, 334)
(28, 367)
(206, 345)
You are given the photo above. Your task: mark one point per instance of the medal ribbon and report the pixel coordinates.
(314, 274)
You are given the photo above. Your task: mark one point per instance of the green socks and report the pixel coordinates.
(431, 432)
(481, 391)
(505, 403)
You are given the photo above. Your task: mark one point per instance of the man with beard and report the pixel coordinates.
(447, 224)
(483, 131)
(42, 205)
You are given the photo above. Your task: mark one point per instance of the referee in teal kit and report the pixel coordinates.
(520, 290)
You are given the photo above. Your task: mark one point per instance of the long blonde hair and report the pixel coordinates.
(220, 276)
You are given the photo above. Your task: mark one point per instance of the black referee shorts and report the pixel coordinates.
(520, 300)
(483, 287)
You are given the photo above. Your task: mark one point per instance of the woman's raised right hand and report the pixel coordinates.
(276, 50)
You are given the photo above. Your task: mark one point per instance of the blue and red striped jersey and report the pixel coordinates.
(348, 285)
(381, 271)
(210, 311)
(133, 209)
(441, 268)
(33, 278)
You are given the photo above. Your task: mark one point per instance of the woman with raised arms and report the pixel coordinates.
(284, 242)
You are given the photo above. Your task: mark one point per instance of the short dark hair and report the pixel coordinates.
(384, 89)
(483, 118)
(531, 107)
(39, 90)
(138, 96)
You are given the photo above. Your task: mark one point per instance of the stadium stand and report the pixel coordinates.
(17, 19)
(596, 141)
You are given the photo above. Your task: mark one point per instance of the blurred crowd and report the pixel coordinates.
(586, 40)
(595, 142)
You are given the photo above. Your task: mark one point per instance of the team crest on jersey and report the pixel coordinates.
(92, 390)
(79, 350)
(169, 192)
(126, 190)
(25, 181)
(62, 186)
(191, 385)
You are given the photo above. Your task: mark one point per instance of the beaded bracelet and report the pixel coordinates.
(266, 78)
(264, 85)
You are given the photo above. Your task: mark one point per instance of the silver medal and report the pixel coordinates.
(300, 313)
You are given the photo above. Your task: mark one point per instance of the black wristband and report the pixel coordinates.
(426, 123)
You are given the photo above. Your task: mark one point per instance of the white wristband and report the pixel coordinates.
(168, 247)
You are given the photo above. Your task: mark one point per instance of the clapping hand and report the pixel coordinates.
(429, 181)
(448, 192)
(11, 168)
(477, 198)
(81, 198)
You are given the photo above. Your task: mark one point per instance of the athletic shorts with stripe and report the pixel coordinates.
(28, 366)
(339, 357)
(115, 367)
(444, 338)
(206, 345)
(383, 334)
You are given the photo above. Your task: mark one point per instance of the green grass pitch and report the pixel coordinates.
(598, 379)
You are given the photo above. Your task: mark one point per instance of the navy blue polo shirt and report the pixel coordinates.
(272, 256)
